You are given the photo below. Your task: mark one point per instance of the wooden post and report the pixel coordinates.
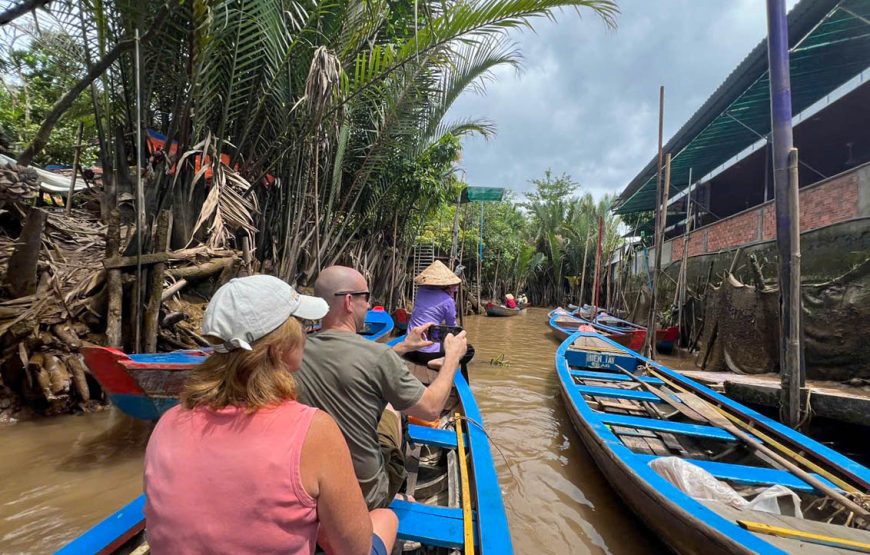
(785, 178)
(684, 263)
(114, 311)
(479, 257)
(72, 181)
(155, 295)
(21, 271)
(455, 238)
(649, 341)
(595, 280)
(247, 259)
(661, 221)
(583, 272)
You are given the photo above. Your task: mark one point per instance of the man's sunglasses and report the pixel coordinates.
(364, 294)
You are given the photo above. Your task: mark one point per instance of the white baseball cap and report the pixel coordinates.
(248, 308)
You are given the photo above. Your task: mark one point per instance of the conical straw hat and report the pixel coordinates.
(508, 296)
(437, 274)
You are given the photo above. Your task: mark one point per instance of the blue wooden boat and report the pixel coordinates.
(444, 524)
(638, 419)
(145, 386)
(565, 324)
(379, 324)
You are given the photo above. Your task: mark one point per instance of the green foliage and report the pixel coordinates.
(33, 79)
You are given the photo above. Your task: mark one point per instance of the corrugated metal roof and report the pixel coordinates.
(830, 44)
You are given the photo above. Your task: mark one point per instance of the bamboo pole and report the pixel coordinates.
(140, 206)
(785, 180)
(649, 341)
(660, 241)
(595, 280)
(479, 257)
(72, 180)
(583, 272)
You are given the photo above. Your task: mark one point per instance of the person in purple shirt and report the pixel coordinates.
(434, 306)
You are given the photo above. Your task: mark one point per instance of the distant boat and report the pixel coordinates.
(501, 311)
(145, 385)
(459, 460)
(658, 436)
(564, 323)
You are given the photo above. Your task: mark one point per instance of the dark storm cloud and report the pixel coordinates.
(586, 102)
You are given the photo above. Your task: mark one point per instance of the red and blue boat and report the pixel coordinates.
(145, 386)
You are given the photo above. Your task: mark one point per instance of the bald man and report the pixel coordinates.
(354, 380)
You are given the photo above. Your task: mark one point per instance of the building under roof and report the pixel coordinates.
(724, 142)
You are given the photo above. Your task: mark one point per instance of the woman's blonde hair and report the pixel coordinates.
(252, 379)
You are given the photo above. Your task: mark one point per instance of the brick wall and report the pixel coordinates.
(828, 202)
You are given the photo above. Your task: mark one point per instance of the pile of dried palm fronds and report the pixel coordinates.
(42, 329)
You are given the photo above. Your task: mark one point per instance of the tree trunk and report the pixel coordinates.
(21, 271)
(114, 311)
(155, 294)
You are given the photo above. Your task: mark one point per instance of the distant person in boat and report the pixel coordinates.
(363, 384)
(434, 305)
(522, 300)
(509, 301)
(240, 466)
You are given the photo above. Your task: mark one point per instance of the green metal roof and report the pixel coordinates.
(829, 45)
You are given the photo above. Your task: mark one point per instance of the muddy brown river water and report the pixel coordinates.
(59, 476)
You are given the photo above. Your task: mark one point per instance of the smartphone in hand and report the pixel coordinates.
(437, 334)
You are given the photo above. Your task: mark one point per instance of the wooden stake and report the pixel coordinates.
(595, 281)
(114, 312)
(21, 275)
(661, 220)
(583, 272)
(72, 181)
(649, 341)
(155, 294)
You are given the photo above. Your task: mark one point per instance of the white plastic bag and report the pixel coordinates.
(701, 485)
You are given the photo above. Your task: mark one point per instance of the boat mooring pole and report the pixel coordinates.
(649, 342)
(785, 177)
(596, 280)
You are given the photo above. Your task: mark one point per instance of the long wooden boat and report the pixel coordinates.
(451, 475)
(638, 418)
(666, 338)
(145, 386)
(564, 324)
(501, 311)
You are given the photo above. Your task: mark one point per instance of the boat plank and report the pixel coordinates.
(611, 377)
(792, 545)
(679, 428)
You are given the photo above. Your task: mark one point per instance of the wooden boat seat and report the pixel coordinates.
(425, 435)
(616, 393)
(748, 475)
(612, 377)
(588, 343)
(430, 525)
(679, 428)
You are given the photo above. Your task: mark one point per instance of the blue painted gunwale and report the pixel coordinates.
(491, 532)
(637, 463)
(566, 332)
(491, 525)
(634, 465)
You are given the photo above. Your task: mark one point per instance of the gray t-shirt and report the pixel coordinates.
(353, 379)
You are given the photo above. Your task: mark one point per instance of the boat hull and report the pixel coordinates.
(501, 311)
(145, 386)
(687, 525)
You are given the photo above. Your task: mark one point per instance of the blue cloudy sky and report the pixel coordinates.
(586, 101)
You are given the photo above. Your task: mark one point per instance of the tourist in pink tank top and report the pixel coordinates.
(240, 466)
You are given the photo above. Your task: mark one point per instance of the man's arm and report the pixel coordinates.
(414, 339)
(432, 402)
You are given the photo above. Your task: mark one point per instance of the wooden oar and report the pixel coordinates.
(843, 485)
(809, 537)
(666, 397)
(718, 419)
